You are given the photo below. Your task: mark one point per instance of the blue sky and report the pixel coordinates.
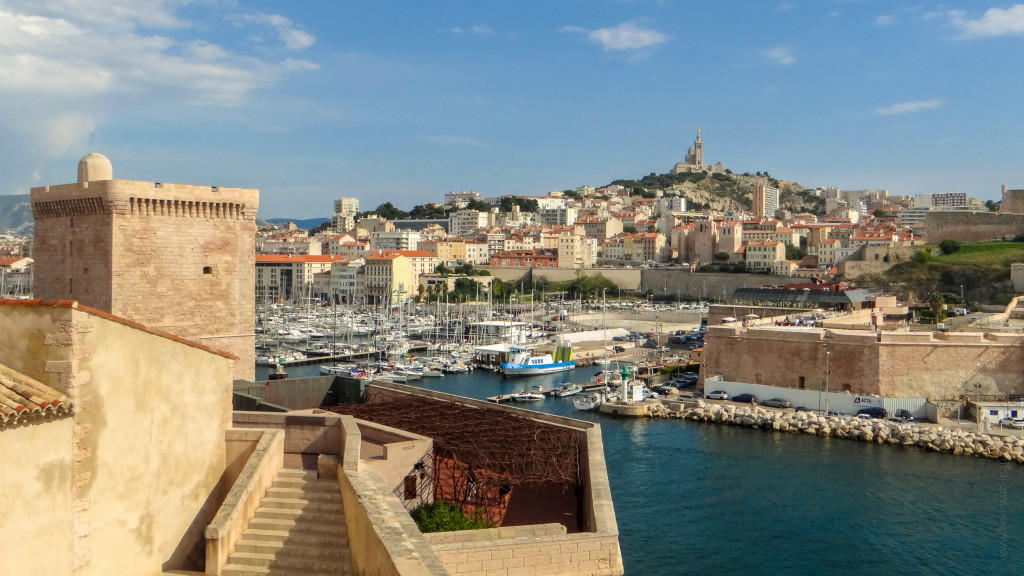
(403, 101)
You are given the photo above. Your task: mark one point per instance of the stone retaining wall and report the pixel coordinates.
(538, 550)
(932, 438)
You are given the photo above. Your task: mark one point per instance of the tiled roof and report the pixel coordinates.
(8, 260)
(23, 399)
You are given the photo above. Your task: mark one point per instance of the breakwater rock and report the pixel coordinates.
(927, 437)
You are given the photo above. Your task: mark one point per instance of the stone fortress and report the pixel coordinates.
(694, 161)
(114, 244)
(1005, 224)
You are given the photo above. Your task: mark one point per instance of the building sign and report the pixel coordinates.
(865, 401)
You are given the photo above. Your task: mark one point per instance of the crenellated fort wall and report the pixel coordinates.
(174, 257)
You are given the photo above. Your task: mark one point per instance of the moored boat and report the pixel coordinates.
(523, 362)
(588, 401)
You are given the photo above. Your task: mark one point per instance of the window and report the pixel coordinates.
(207, 269)
(993, 412)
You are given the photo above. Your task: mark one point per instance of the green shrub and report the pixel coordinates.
(949, 246)
(922, 256)
(444, 517)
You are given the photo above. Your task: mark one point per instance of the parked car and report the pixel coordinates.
(873, 412)
(775, 403)
(718, 395)
(745, 398)
(618, 349)
(1012, 423)
(905, 415)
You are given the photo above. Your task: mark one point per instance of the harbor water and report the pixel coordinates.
(697, 498)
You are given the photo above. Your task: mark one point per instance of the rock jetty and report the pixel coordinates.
(926, 437)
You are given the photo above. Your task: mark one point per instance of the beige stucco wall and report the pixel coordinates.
(151, 416)
(35, 498)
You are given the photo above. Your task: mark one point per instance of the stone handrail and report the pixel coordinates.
(383, 538)
(244, 498)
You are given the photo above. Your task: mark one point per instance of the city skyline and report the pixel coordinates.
(403, 103)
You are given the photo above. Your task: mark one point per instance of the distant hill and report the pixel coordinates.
(16, 214)
(724, 191)
(306, 224)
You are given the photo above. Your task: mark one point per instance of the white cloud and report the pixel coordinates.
(885, 20)
(29, 73)
(625, 36)
(995, 22)
(109, 14)
(290, 36)
(455, 30)
(68, 65)
(780, 55)
(26, 30)
(482, 30)
(908, 107)
(786, 6)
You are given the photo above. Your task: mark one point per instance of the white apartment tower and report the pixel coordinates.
(766, 201)
(345, 210)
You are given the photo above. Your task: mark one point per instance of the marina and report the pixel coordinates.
(696, 498)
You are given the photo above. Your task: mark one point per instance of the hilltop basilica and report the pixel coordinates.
(694, 161)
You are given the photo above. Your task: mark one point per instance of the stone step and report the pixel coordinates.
(301, 539)
(306, 485)
(317, 506)
(300, 516)
(291, 549)
(301, 494)
(289, 562)
(243, 570)
(296, 473)
(298, 528)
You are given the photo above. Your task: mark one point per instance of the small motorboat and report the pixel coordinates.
(525, 396)
(588, 401)
(570, 390)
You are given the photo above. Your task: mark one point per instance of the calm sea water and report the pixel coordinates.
(709, 499)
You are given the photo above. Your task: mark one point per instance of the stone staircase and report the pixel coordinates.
(298, 530)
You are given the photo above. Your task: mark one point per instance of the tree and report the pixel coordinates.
(442, 270)
(992, 205)
(879, 213)
(721, 257)
(936, 303)
(652, 227)
(949, 246)
(479, 206)
(922, 256)
(428, 212)
(388, 211)
(629, 229)
(794, 252)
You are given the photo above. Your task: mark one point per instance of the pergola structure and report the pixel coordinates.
(481, 454)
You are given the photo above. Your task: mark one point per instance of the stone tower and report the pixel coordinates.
(173, 257)
(695, 155)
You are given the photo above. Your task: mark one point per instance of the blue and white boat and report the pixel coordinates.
(523, 362)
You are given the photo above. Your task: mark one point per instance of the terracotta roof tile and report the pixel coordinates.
(23, 399)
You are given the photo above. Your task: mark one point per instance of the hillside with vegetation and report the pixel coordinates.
(16, 214)
(725, 192)
(982, 269)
